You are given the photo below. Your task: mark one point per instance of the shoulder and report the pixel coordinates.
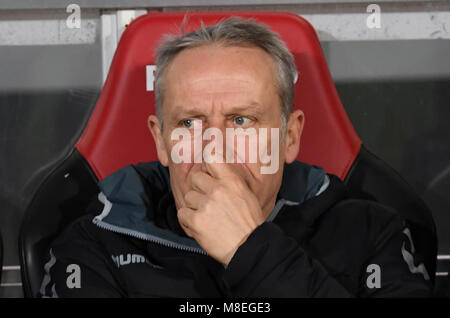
(361, 224)
(80, 231)
(366, 213)
(357, 214)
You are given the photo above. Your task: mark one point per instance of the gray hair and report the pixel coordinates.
(233, 31)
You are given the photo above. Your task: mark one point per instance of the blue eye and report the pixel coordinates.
(241, 120)
(187, 123)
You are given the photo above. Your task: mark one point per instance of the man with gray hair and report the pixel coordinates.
(209, 219)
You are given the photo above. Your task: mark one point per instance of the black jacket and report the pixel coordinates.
(318, 242)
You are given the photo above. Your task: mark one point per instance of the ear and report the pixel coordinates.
(155, 128)
(294, 129)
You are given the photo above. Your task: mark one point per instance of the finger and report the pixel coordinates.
(194, 199)
(202, 182)
(185, 218)
(216, 167)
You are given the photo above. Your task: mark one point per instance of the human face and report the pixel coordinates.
(225, 87)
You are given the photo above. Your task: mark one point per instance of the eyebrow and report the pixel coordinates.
(185, 113)
(253, 107)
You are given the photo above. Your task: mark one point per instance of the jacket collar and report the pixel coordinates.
(299, 222)
(138, 201)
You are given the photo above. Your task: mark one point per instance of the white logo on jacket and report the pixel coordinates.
(409, 258)
(126, 259)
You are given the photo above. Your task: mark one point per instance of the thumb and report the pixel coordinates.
(214, 165)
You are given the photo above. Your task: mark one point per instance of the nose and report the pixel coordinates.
(216, 123)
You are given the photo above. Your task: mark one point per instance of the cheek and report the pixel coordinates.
(183, 149)
(268, 188)
(265, 188)
(179, 174)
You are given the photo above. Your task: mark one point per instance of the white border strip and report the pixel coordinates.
(441, 273)
(11, 268)
(11, 285)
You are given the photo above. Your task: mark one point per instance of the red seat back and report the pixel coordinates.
(117, 133)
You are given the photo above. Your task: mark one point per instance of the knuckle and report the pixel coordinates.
(185, 217)
(193, 176)
(208, 205)
(181, 215)
(182, 212)
(217, 192)
(195, 221)
(196, 176)
(189, 197)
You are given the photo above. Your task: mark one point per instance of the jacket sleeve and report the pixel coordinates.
(401, 273)
(77, 266)
(271, 264)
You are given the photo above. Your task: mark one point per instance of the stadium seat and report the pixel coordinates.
(117, 135)
(1, 257)
(442, 281)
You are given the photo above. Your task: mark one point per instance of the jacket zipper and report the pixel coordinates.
(146, 237)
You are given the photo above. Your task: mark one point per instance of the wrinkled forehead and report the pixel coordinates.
(208, 61)
(228, 73)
